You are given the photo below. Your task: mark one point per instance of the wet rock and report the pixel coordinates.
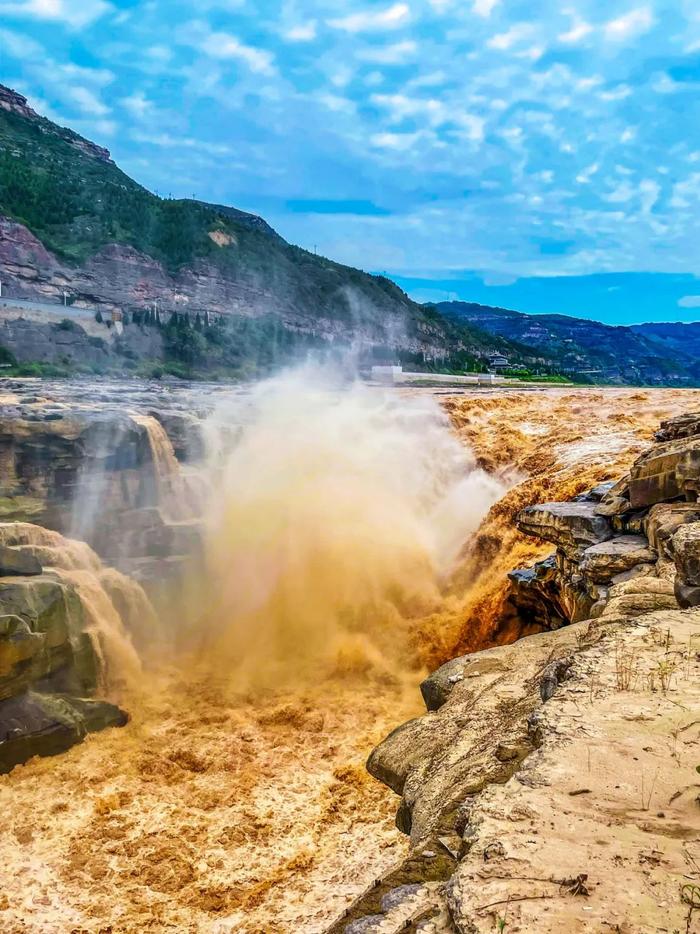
(612, 506)
(185, 433)
(548, 594)
(437, 687)
(42, 633)
(682, 426)
(600, 563)
(686, 595)
(391, 761)
(596, 494)
(572, 527)
(34, 724)
(16, 561)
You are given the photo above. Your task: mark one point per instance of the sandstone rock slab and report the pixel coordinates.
(603, 561)
(572, 527)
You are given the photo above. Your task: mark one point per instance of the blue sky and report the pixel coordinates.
(543, 155)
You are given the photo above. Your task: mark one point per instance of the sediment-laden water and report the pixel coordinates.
(353, 539)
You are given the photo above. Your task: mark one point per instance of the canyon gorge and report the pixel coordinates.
(218, 602)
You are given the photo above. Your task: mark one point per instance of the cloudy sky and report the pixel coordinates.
(543, 155)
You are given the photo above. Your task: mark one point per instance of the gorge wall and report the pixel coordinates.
(488, 776)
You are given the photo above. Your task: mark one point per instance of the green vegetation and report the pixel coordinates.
(76, 203)
(6, 357)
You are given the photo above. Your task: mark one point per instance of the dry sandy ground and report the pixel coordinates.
(213, 812)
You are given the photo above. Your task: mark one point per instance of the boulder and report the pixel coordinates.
(15, 561)
(639, 594)
(685, 547)
(438, 686)
(407, 745)
(664, 519)
(572, 527)
(34, 724)
(602, 562)
(654, 476)
(42, 634)
(437, 761)
(596, 494)
(686, 595)
(682, 426)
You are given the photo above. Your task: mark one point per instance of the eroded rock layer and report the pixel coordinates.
(62, 640)
(536, 767)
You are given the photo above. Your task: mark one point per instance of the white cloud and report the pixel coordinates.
(397, 141)
(584, 177)
(484, 8)
(223, 45)
(167, 141)
(578, 32)
(372, 20)
(394, 54)
(73, 13)
(472, 125)
(87, 101)
(302, 32)
(20, 46)
(649, 192)
(336, 103)
(631, 24)
(505, 40)
(431, 112)
(137, 105)
(619, 93)
(689, 301)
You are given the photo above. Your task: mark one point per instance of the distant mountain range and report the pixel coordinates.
(72, 223)
(656, 354)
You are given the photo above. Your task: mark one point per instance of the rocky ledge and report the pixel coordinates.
(49, 646)
(552, 784)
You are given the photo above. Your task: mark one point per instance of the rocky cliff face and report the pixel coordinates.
(510, 823)
(71, 221)
(106, 472)
(50, 645)
(103, 471)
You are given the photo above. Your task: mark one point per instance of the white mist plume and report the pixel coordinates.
(336, 512)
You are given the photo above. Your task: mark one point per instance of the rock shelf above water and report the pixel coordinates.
(493, 779)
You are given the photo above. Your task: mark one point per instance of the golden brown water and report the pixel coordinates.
(220, 809)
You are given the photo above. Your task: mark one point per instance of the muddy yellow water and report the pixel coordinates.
(223, 809)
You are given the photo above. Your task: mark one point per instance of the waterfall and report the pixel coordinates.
(174, 494)
(114, 606)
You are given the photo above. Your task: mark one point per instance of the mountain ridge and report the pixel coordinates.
(72, 221)
(586, 349)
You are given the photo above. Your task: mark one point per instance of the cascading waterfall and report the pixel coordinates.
(174, 495)
(108, 621)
